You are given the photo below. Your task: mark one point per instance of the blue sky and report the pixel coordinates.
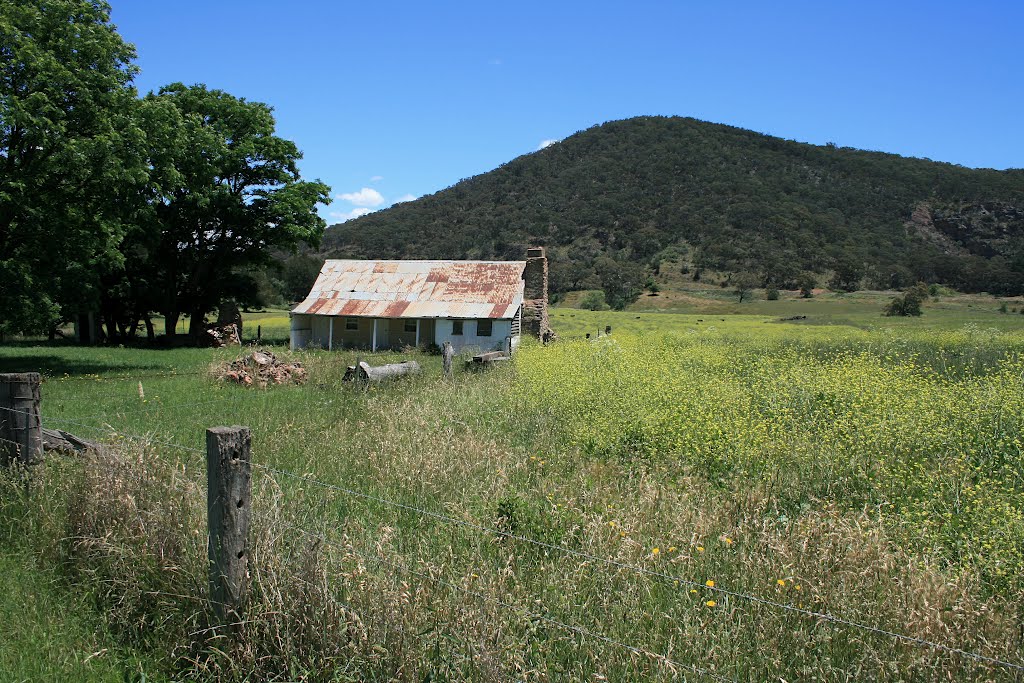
(392, 100)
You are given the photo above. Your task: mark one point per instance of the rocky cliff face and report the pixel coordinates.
(986, 229)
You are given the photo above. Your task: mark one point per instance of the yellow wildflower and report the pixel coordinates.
(709, 583)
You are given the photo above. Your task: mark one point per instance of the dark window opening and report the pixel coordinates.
(351, 323)
(456, 327)
(484, 328)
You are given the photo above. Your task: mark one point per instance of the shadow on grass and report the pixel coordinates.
(57, 366)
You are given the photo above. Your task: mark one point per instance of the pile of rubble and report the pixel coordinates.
(262, 368)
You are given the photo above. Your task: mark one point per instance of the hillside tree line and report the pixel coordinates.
(617, 202)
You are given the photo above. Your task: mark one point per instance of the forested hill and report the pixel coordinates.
(617, 202)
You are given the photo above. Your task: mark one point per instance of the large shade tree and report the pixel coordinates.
(71, 163)
(229, 195)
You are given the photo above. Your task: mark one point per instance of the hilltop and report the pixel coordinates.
(619, 202)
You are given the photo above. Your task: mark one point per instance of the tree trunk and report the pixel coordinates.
(196, 323)
(150, 332)
(171, 323)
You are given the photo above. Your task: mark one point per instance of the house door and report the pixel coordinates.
(383, 338)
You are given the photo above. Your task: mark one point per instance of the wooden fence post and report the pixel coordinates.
(447, 352)
(228, 501)
(21, 429)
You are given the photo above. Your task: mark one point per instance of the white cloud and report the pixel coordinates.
(376, 179)
(364, 197)
(342, 216)
(406, 198)
(546, 143)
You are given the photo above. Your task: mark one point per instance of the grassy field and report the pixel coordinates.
(690, 486)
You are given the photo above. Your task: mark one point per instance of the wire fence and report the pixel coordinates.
(276, 473)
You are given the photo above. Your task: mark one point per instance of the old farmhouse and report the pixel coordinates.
(475, 305)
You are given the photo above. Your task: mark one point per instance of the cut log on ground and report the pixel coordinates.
(366, 373)
(484, 360)
(59, 440)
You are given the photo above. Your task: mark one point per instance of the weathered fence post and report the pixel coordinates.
(228, 500)
(447, 352)
(21, 429)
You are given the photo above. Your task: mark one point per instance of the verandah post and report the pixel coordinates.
(228, 502)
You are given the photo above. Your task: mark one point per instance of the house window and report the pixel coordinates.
(483, 328)
(410, 326)
(351, 323)
(456, 327)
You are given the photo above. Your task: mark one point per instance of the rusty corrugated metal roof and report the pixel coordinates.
(416, 289)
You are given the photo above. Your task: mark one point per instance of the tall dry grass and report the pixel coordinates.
(349, 588)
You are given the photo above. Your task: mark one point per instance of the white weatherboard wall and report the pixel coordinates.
(315, 330)
(301, 331)
(468, 340)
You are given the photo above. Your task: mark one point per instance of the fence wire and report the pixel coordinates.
(579, 630)
(822, 616)
(643, 571)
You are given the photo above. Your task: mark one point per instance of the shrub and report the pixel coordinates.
(594, 301)
(771, 294)
(910, 303)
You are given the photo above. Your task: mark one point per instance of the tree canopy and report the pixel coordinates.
(228, 194)
(70, 156)
(170, 203)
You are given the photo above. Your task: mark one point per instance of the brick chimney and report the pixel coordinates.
(535, 292)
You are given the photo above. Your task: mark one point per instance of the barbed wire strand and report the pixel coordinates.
(57, 379)
(823, 616)
(155, 407)
(127, 435)
(579, 630)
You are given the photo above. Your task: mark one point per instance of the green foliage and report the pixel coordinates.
(227, 193)
(126, 206)
(743, 284)
(621, 281)
(847, 276)
(910, 303)
(594, 301)
(733, 199)
(806, 283)
(771, 294)
(71, 163)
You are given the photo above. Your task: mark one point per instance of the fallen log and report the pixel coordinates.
(486, 360)
(490, 357)
(366, 373)
(59, 440)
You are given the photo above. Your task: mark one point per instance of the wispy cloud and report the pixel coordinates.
(546, 143)
(495, 61)
(367, 196)
(406, 198)
(376, 178)
(342, 216)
